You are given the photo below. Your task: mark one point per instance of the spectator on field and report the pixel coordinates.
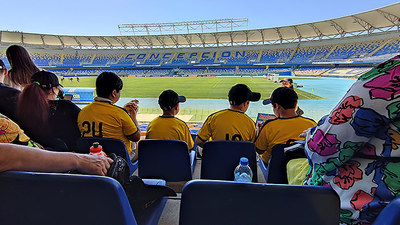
(44, 118)
(286, 126)
(24, 158)
(8, 95)
(167, 126)
(22, 67)
(231, 124)
(103, 119)
(355, 150)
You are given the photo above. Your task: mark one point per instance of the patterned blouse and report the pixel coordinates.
(355, 150)
(10, 132)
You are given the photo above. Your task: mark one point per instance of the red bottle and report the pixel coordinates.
(97, 149)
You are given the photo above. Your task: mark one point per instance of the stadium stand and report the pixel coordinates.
(346, 71)
(221, 71)
(105, 59)
(355, 50)
(250, 71)
(276, 55)
(77, 59)
(46, 59)
(159, 72)
(192, 71)
(307, 70)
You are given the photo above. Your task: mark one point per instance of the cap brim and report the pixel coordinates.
(267, 101)
(181, 99)
(254, 96)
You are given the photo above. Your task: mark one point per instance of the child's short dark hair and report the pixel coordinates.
(285, 97)
(106, 82)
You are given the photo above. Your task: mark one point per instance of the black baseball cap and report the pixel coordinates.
(2, 65)
(45, 79)
(169, 98)
(289, 80)
(241, 93)
(283, 96)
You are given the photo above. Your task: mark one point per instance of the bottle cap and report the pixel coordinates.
(96, 148)
(95, 144)
(244, 161)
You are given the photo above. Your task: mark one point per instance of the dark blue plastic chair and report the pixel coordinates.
(109, 145)
(227, 202)
(390, 215)
(220, 159)
(275, 171)
(164, 159)
(51, 198)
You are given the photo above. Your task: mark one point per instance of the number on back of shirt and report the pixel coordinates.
(91, 129)
(235, 137)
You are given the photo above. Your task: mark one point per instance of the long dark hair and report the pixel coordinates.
(22, 66)
(33, 103)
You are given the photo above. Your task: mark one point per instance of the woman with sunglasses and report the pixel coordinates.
(45, 116)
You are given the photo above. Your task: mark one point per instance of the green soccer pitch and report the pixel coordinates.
(190, 87)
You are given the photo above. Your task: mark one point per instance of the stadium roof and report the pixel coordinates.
(375, 21)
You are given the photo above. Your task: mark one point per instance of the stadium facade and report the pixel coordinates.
(346, 46)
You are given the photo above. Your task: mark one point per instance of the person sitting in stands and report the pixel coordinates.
(22, 67)
(288, 125)
(24, 158)
(44, 118)
(168, 126)
(355, 150)
(103, 119)
(231, 124)
(10, 132)
(9, 95)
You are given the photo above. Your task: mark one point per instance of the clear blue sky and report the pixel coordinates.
(101, 17)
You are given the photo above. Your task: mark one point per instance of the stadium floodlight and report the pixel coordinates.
(187, 27)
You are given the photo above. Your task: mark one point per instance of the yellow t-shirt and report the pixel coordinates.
(106, 120)
(169, 128)
(279, 131)
(228, 124)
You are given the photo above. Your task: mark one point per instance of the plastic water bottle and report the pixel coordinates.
(97, 149)
(243, 172)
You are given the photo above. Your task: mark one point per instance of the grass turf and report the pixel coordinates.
(190, 87)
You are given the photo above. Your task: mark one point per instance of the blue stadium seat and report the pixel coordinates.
(390, 215)
(275, 172)
(50, 198)
(220, 159)
(227, 202)
(109, 145)
(164, 159)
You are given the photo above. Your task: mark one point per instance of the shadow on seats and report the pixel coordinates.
(227, 202)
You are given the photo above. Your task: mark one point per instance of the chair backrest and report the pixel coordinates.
(227, 202)
(164, 159)
(109, 145)
(43, 198)
(390, 215)
(220, 159)
(277, 166)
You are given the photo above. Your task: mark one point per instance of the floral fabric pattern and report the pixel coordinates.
(11, 133)
(355, 150)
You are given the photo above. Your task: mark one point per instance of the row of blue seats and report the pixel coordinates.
(302, 54)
